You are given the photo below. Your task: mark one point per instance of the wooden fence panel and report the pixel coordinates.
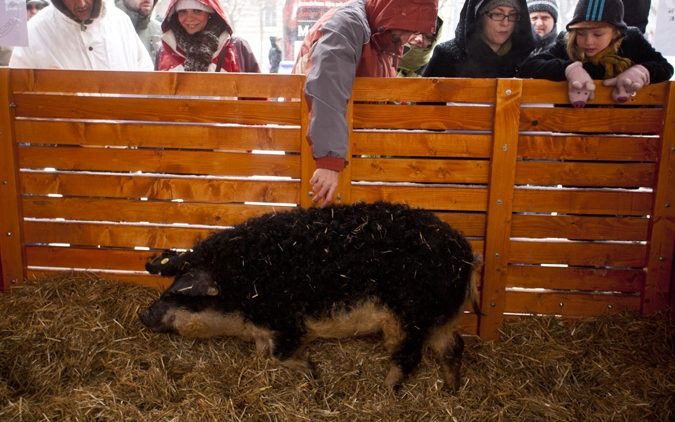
(571, 208)
(111, 173)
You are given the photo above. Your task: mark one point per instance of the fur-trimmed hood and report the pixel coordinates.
(214, 4)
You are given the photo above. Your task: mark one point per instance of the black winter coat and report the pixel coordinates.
(551, 64)
(468, 56)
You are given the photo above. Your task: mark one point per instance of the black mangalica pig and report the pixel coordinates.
(287, 278)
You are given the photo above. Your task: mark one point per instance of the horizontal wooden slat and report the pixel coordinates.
(538, 91)
(420, 170)
(596, 254)
(401, 116)
(189, 136)
(421, 143)
(424, 89)
(157, 186)
(579, 227)
(579, 201)
(143, 211)
(156, 109)
(87, 258)
(158, 83)
(569, 304)
(596, 120)
(576, 278)
(471, 224)
(160, 161)
(626, 175)
(431, 197)
(589, 148)
(116, 235)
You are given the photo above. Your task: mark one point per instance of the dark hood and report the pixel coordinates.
(524, 38)
(97, 10)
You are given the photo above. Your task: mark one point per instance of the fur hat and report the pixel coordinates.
(550, 6)
(593, 13)
(192, 5)
(491, 4)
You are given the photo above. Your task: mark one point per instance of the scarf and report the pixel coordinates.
(200, 46)
(612, 62)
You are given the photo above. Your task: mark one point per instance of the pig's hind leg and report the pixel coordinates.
(288, 348)
(448, 346)
(406, 355)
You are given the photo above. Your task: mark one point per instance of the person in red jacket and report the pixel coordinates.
(198, 38)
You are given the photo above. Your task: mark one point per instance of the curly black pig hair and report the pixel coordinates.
(375, 245)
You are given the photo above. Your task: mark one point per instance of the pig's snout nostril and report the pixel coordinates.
(144, 316)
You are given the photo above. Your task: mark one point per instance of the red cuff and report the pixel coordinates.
(331, 163)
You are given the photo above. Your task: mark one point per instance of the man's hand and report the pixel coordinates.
(324, 184)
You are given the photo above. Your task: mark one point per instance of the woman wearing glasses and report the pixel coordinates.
(491, 39)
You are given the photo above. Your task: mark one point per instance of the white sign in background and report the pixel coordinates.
(665, 28)
(13, 31)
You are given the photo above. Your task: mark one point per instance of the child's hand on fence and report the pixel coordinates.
(628, 82)
(580, 85)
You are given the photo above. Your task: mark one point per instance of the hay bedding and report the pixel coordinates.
(72, 349)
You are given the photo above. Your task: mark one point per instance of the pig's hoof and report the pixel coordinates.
(304, 366)
(394, 378)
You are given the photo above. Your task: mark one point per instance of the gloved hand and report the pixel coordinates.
(628, 82)
(580, 85)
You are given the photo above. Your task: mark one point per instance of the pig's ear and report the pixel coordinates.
(194, 283)
(168, 264)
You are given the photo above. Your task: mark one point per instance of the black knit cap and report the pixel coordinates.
(607, 11)
(550, 6)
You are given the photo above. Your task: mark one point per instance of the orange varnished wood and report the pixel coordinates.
(159, 186)
(569, 304)
(580, 227)
(576, 278)
(167, 212)
(100, 170)
(163, 135)
(220, 163)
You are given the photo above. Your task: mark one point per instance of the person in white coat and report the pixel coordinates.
(82, 34)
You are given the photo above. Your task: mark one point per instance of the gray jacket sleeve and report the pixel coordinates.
(329, 83)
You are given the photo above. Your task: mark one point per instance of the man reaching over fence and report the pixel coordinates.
(359, 38)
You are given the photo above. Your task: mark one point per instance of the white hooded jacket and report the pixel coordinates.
(57, 41)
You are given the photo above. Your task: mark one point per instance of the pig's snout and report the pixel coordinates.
(154, 321)
(144, 316)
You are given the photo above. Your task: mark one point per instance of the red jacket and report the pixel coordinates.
(171, 56)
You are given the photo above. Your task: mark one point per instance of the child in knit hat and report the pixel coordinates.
(599, 45)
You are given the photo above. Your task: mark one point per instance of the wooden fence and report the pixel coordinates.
(572, 208)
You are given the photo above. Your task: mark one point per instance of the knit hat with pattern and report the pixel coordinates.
(591, 13)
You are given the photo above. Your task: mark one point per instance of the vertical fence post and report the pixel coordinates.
(659, 282)
(500, 205)
(12, 252)
(306, 158)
